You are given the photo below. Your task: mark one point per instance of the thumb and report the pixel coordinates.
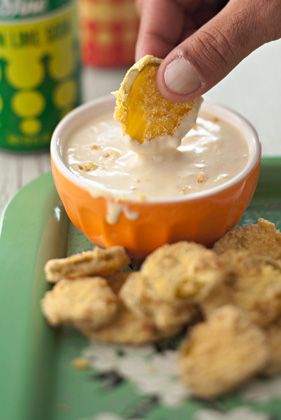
(206, 57)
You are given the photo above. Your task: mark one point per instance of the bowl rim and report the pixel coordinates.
(252, 136)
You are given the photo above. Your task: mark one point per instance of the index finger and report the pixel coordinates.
(161, 27)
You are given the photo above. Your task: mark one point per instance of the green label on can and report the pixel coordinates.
(39, 77)
(20, 9)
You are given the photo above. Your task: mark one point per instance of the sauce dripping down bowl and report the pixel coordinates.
(142, 226)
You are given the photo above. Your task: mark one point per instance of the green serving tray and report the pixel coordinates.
(37, 380)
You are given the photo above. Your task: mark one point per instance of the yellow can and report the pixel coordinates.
(39, 70)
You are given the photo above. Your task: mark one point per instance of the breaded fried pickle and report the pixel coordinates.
(116, 281)
(253, 284)
(142, 111)
(260, 239)
(129, 329)
(221, 353)
(163, 315)
(184, 270)
(85, 302)
(90, 263)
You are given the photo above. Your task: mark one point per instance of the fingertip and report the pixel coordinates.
(178, 81)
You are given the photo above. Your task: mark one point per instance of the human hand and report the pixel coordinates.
(197, 59)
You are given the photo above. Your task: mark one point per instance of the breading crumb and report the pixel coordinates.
(87, 167)
(201, 178)
(214, 119)
(80, 363)
(184, 191)
(141, 197)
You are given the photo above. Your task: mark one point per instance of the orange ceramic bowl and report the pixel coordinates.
(200, 217)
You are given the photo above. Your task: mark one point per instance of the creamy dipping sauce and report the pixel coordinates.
(212, 153)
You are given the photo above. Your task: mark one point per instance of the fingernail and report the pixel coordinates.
(180, 77)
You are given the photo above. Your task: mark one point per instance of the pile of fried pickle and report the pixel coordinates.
(227, 298)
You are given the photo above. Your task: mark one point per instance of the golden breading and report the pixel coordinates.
(273, 337)
(142, 111)
(221, 353)
(260, 239)
(253, 284)
(184, 270)
(128, 329)
(116, 281)
(85, 302)
(163, 315)
(99, 262)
